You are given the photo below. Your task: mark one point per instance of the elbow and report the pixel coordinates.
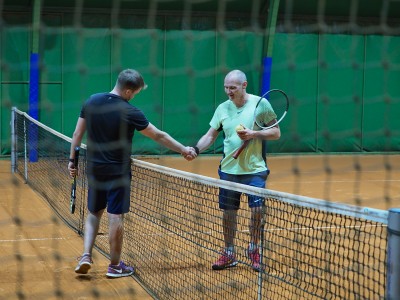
(159, 136)
(276, 135)
(77, 136)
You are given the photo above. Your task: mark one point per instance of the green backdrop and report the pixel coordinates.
(343, 89)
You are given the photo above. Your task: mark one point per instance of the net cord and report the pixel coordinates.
(367, 213)
(371, 214)
(56, 133)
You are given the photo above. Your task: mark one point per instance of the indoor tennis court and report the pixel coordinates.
(39, 251)
(335, 169)
(38, 243)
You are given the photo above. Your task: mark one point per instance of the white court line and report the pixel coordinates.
(29, 240)
(339, 181)
(318, 228)
(323, 227)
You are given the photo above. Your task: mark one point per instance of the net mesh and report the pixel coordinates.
(337, 60)
(330, 61)
(311, 248)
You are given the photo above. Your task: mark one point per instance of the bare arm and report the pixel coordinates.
(163, 138)
(273, 133)
(207, 140)
(77, 136)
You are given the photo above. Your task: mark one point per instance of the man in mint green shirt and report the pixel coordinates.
(249, 168)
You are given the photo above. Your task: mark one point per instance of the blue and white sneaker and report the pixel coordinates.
(121, 270)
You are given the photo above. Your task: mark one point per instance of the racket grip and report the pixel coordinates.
(73, 185)
(76, 158)
(73, 196)
(240, 149)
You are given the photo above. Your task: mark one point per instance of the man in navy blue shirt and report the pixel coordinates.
(110, 122)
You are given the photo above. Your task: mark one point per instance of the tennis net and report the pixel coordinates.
(311, 249)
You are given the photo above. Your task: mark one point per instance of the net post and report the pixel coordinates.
(25, 154)
(13, 140)
(393, 255)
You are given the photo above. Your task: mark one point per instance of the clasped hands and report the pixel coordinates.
(189, 153)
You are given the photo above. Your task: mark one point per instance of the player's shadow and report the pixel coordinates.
(85, 277)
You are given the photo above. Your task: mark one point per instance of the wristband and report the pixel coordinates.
(71, 160)
(196, 149)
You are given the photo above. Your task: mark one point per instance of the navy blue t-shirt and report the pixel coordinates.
(110, 124)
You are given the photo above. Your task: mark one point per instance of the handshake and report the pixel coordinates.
(190, 153)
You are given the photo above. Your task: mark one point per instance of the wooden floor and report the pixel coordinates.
(363, 180)
(38, 251)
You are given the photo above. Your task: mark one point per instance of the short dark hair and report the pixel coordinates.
(130, 79)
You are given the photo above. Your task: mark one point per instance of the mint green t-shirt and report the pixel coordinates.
(228, 116)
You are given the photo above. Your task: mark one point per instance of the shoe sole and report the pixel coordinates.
(256, 269)
(83, 268)
(112, 275)
(216, 267)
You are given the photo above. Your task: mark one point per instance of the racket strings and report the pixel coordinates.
(271, 109)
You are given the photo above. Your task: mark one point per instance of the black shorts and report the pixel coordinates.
(111, 191)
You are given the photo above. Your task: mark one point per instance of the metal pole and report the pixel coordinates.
(265, 86)
(262, 245)
(13, 141)
(34, 78)
(268, 45)
(393, 255)
(25, 153)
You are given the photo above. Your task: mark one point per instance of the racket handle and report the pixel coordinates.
(73, 196)
(76, 158)
(73, 185)
(240, 149)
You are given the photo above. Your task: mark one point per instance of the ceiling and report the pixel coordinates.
(388, 9)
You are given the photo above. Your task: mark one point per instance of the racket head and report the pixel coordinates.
(271, 109)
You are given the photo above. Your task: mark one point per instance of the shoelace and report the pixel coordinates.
(85, 255)
(121, 265)
(254, 256)
(225, 258)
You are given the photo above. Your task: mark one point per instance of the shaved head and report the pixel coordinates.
(237, 76)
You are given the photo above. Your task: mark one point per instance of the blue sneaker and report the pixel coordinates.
(121, 270)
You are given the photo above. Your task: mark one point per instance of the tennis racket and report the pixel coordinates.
(73, 184)
(279, 101)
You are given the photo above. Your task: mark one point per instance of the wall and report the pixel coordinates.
(343, 88)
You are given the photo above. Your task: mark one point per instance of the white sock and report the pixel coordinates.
(252, 246)
(230, 250)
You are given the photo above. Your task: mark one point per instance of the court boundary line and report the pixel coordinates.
(31, 240)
